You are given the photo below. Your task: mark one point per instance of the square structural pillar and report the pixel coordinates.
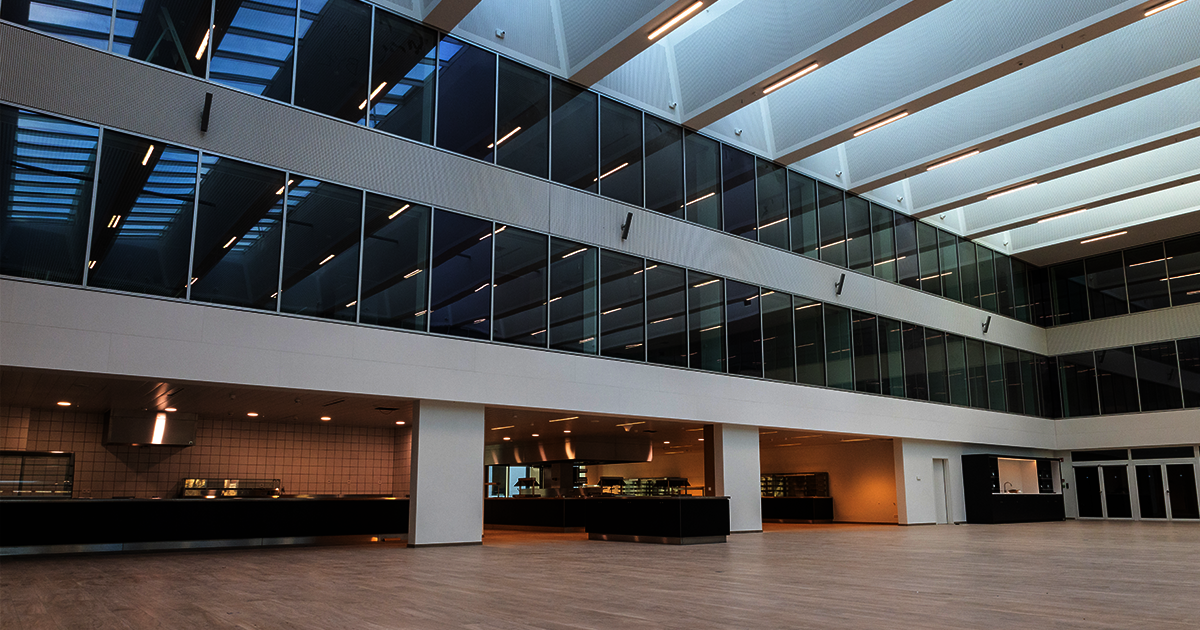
(731, 469)
(445, 504)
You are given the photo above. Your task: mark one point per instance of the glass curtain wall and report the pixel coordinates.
(866, 352)
(706, 321)
(838, 362)
(664, 167)
(395, 284)
(466, 84)
(620, 152)
(702, 162)
(883, 243)
(832, 218)
(802, 220)
(779, 349)
(622, 300)
(666, 315)
(810, 342)
(891, 357)
(323, 226)
(772, 204)
(744, 329)
(574, 143)
(737, 199)
(523, 119)
(574, 298)
(519, 308)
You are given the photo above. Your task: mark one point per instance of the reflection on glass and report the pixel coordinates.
(1041, 306)
(1004, 298)
(334, 58)
(574, 303)
(142, 224)
(779, 353)
(47, 167)
(987, 278)
(858, 234)
(745, 329)
(461, 295)
(1046, 373)
(666, 315)
(1067, 281)
(574, 157)
(1022, 307)
(320, 249)
(995, 377)
(916, 383)
(866, 352)
(772, 204)
(395, 284)
(466, 104)
(622, 296)
(936, 366)
(802, 198)
(1029, 383)
(968, 269)
(956, 370)
(1189, 370)
(883, 242)
(927, 246)
(238, 233)
(833, 224)
(1183, 264)
(810, 342)
(85, 22)
(1116, 380)
(948, 254)
(1106, 285)
(664, 167)
(168, 33)
(252, 46)
(703, 178)
(740, 213)
(1012, 380)
(907, 267)
(977, 381)
(891, 357)
(1158, 376)
(838, 361)
(620, 152)
(1146, 273)
(523, 114)
(706, 321)
(402, 77)
(520, 300)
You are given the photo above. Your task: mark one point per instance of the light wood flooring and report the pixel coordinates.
(1047, 575)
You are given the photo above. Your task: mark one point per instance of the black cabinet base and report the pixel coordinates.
(659, 540)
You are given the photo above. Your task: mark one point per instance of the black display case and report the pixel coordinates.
(1003, 489)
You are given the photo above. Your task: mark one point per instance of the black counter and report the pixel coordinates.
(672, 520)
(551, 513)
(985, 503)
(798, 509)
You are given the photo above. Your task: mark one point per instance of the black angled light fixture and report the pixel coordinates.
(207, 110)
(625, 226)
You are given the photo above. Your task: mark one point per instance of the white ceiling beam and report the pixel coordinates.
(446, 14)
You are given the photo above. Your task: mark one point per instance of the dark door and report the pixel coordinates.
(1087, 492)
(1116, 492)
(1181, 484)
(1150, 491)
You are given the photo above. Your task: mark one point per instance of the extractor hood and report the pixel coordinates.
(149, 428)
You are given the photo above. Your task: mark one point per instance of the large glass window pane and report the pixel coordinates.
(931, 271)
(666, 315)
(1041, 307)
(907, 266)
(703, 162)
(948, 257)
(1145, 274)
(1189, 370)
(1015, 400)
(320, 250)
(466, 102)
(779, 354)
(831, 210)
(1117, 381)
(574, 297)
(745, 329)
(168, 33)
(1046, 373)
(664, 167)
(1067, 281)
(977, 382)
(238, 233)
(1106, 285)
(838, 356)
(772, 204)
(1004, 298)
(620, 152)
(395, 274)
(802, 201)
(461, 295)
(737, 171)
(1029, 391)
(858, 234)
(968, 272)
(142, 225)
(883, 242)
(995, 375)
(622, 300)
(1158, 376)
(574, 157)
(253, 45)
(810, 343)
(1183, 264)
(916, 383)
(523, 113)
(334, 58)
(1021, 306)
(866, 352)
(1077, 385)
(956, 370)
(85, 22)
(403, 77)
(936, 368)
(891, 357)
(706, 321)
(987, 278)
(519, 310)
(47, 168)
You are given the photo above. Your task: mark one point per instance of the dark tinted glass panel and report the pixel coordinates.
(1117, 380)
(810, 343)
(858, 234)
(620, 152)
(666, 315)
(461, 294)
(1004, 298)
(1106, 285)
(395, 275)
(948, 258)
(320, 250)
(1041, 307)
(745, 329)
(931, 271)
(891, 357)
(866, 352)
(466, 103)
(772, 204)
(1014, 398)
(1181, 488)
(883, 242)
(524, 119)
(574, 298)
(253, 45)
(956, 370)
(168, 33)
(1099, 456)
(738, 203)
(403, 77)
(1158, 376)
(1021, 305)
(238, 232)
(997, 398)
(574, 150)
(1047, 377)
(85, 22)
(703, 162)
(1077, 379)
(1070, 294)
(334, 58)
(987, 278)
(1145, 274)
(706, 321)
(142, 226)
(1116, 491)
(977, 374)
(1087, 491)
(1150, 491)
(519, 311)
(833, 224)
(838, 361)
(1029, 392)
(802, 200)
(664, 167)
(1163, 452)
(779, 354)
(1183, 263)
(47, 168)
(935, 362)
(907, 267)
(622, 299)
(968, 270)
(916, 383)
(1189, 370)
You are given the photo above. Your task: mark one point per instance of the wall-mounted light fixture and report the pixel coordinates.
(987, 324)
(207, 110)
(839, 284)
(625, 226)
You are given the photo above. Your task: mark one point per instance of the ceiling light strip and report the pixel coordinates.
(1059, 216)
(791, 77)
(954, 159)
(673, 22)
(886, 121)
(1012, 190)
(1101, 238)
(1162, 7)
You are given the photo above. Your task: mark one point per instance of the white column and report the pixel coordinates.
(736, 474)
(446, 485)
(916, 494)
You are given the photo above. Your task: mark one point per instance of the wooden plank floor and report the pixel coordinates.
(1049, 575)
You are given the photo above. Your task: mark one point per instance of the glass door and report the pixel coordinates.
(1151, 491)
(1087, 492)
(1181, 490)
(1116, 492)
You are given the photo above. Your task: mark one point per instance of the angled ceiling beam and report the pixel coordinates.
(631, 41)
(446, 14)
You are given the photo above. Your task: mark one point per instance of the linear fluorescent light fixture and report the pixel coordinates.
(1012, 190)
(952, 160)
(673, 22)
(231, 242)
(1059, 216)
(886, 121)
(565, 419)
(1101, 238)
(327, 259)
(397, 213)
(1162, 7)
(149, 152)
(208, 33)
(506, 137)
(373, 95)
(791, 77)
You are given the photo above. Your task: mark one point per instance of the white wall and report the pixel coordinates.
(862, 476)
(1179, 322)
(735, 471)
(446, 485)
(915, 491)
